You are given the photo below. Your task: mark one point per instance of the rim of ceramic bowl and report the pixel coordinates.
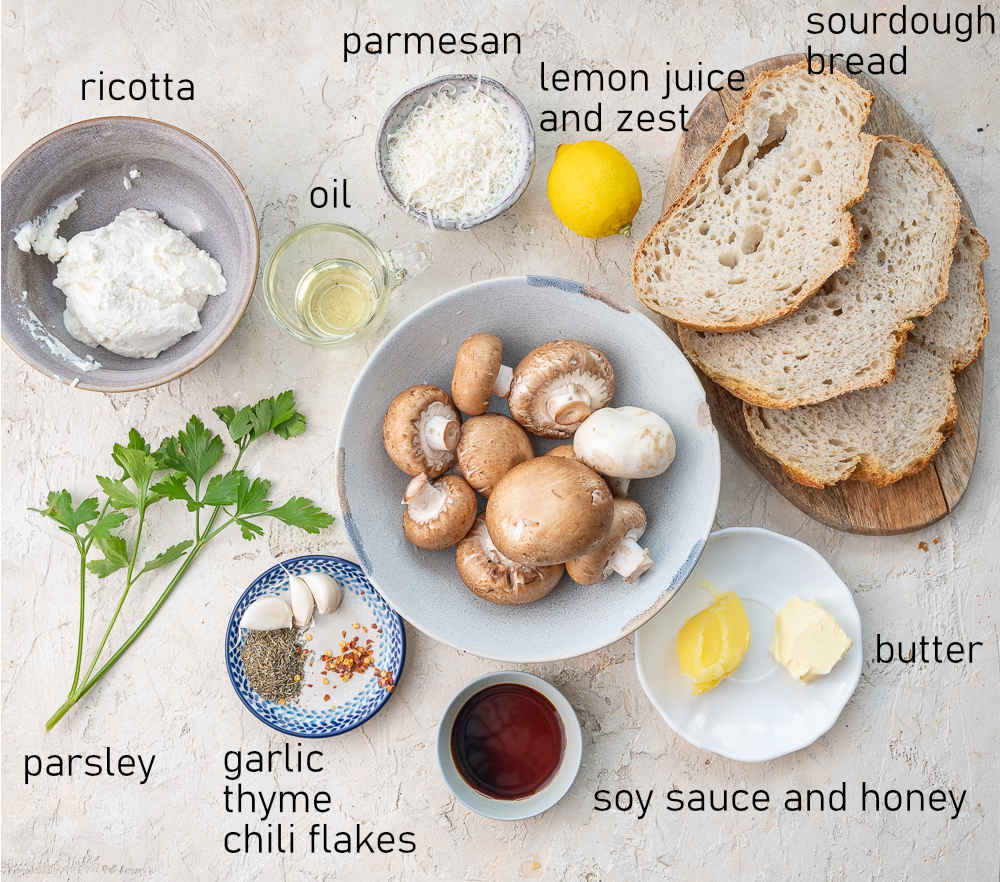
(501, 207)
(274, 259)
(651, 694)
(668, 592)
(234, 319)
(549, 795)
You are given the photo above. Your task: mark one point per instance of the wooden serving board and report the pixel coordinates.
(853, 506)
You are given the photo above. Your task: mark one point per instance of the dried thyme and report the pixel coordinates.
(273, 662)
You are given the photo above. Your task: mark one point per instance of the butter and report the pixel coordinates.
(807, 640)
(712, 643)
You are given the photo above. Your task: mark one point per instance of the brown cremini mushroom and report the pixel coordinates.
(479, 374)
(548, 510)
(421, 431)
(564, 450)
(618, 552)
(438, 513)
(487, 572)
(558, 385)
(491, 446)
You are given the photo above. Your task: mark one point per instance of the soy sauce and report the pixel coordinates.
(507, 741)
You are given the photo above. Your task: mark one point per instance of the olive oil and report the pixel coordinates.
(336, 298)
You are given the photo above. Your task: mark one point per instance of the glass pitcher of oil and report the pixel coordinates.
(327, 283)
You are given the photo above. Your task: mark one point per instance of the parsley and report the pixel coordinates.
(180, 469)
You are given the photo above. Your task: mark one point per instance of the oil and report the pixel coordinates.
(336, 298)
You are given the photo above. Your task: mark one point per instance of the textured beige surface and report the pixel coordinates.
(275, 99)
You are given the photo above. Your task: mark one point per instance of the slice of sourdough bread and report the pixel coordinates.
(764, 221)
(849, 335)
(957, 327)
(887, 432)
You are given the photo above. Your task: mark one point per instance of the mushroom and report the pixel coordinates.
(491, 446)
(619, 551)
(479, 374)
(558, 385)
(421, 431)
(439, 513)
(565, 450)
(548, 510)
(623, 443)
(487, 572)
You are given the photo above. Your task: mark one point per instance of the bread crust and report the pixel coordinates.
(850, 240)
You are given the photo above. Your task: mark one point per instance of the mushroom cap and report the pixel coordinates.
(477, 364)
(564, 450)
(491, 446)
(494, 577)
(548, 510)
(544, 369)
(401, 430)
(625, 442)
(590, 568)
(452, 523)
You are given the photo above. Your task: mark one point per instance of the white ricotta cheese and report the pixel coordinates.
(135, 286)
(42, 233)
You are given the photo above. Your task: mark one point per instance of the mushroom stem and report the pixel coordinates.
(501, 385)
(423, 500)
(617, 486)
(569, 404)
(630, 559)
(441, 433)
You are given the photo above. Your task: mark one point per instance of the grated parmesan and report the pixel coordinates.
(456, 157)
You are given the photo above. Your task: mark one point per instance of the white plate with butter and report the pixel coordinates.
(760, 711)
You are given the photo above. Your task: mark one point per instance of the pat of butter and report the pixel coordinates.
(712, 643)
(807, 640)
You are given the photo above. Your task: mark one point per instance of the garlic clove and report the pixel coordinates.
(267, 613)
(325, 591)
(303, 603)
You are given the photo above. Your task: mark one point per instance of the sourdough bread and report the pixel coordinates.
(764, 222)
(887, 432)
(849, 335)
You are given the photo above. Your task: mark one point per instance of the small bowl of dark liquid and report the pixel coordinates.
(509, 745)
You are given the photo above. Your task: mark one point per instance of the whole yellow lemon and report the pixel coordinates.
(593, 189)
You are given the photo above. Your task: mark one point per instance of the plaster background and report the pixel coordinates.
(275, 99)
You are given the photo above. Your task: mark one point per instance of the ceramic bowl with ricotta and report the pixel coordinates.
(121, 163)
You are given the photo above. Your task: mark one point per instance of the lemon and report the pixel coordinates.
(593, 189)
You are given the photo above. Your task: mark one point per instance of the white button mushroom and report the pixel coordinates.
(558, 385)
(479, 374)
(421, 431)
(625, 443)
(491, 575)
(438, 514)
(303, 603)
(491, 446)
(325, 591)
(618, 552)
(268, 613)
(548, 510)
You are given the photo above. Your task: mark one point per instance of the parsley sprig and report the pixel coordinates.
(182, 468)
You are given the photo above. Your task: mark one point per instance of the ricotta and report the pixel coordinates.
(42, 233)
(135, 286)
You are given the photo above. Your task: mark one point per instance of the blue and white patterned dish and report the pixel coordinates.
(307, 719)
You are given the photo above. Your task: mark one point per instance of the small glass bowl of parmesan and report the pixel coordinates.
(457, 151)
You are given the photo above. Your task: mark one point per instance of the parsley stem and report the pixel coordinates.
(128, 587)
(89, 681)
(83, 601)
